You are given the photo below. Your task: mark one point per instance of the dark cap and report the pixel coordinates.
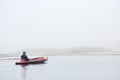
(24, 52)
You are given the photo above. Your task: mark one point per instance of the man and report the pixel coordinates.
(24, 57)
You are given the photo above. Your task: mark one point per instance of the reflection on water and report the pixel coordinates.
(24, 71)
(25, 67)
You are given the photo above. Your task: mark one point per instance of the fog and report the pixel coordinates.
(36, 24)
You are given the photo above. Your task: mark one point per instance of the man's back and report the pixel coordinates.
(24, 57)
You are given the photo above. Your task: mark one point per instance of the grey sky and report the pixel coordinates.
(59, 24)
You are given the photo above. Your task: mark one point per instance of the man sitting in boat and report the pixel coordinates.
(24, 57)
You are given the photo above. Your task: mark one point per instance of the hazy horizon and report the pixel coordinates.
(37, 24)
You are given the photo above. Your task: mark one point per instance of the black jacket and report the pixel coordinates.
(24, 57)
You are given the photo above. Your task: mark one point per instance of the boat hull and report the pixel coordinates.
(33, 61)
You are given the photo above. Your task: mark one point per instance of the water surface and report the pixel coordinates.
(64, 68)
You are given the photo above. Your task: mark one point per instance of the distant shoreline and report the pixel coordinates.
(59, 54)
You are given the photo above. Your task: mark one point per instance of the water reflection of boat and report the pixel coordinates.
(33, 61)
(24, 69)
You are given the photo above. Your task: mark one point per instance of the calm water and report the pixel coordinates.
(64, 68)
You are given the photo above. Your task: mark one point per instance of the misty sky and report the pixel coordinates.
(26, 24)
